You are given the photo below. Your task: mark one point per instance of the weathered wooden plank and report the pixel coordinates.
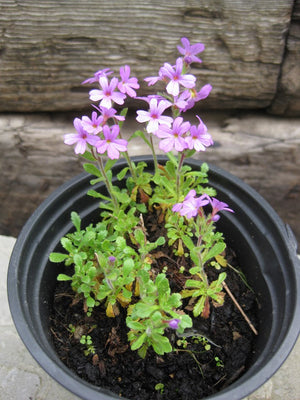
(287, 99)
(47, 48)
(262, 150)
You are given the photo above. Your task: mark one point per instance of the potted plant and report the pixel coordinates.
(183, 284)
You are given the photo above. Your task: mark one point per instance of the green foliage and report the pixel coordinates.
(87, 341)
(200, 290)
(149, 318)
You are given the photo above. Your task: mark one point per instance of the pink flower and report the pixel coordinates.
(154, 116)
(93, 125)
(191, 204)
(174, 74)
(173, 137)
(151, 80)
(218, 206)
(108, 113)
(81, 138)
(189, 51)
(110, 143)
(97, 75)
(199, 139)
(182, 101)
(107, 95)
(127, 85)
(197, 96)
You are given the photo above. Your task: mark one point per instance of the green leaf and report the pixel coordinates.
(140, 237)
(67, 244)
(88, 156)
(76, 220)
(192, 283)
(123, 113)
(190, 153)
(188, 242)
(109, 164)
(143, 310)
(134, 325)
(92, 169)
(160, 241)
(57, 257)
(161, 344)
(122, 173)
(97, 195)
(122, 197)
(198, 308)
(217, 249)
(138, 342)
(172, 158)
(63, 277)
(90, 302)
(128, 266)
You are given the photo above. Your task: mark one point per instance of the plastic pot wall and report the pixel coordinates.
(266, 249)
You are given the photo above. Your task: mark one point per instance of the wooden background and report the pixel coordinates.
(47, 48)
(252, 60)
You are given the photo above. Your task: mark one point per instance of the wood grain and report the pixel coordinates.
(47, 48)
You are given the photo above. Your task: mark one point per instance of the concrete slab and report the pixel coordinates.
(21, 378)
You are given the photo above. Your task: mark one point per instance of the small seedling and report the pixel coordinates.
(87, 341)
(219, 363)
(160, 387)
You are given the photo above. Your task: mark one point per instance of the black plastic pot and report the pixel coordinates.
(266, 249)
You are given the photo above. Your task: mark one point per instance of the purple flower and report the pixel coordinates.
(110, 143)
(154, 116)
(127, 85)
(108, 113)
(111, 260)
(151, 80)
(218, 206)
(108, 94)
(93, 125)
(199, 139)
(81, 138)
(182, 101)
(197, 96)
(173, 323)
(97, 75)
(173, 136)
(189, 51)
(191, 204)
(176, 77)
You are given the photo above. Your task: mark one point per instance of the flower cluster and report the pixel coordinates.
(175, 133)
(113, 260)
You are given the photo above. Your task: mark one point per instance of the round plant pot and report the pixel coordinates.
(265, 246)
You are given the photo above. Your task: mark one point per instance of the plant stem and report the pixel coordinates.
(153, 154)
(180, 163)
(202, 273)
(130, 164)
(106, 180)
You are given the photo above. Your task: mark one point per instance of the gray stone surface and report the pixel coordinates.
(21, 378)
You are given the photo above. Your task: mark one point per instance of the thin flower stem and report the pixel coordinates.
(154, 155)
(128, 159)
(202, 273)
(106, 180)
(178, 175)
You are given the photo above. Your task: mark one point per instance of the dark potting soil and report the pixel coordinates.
(211, 356)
